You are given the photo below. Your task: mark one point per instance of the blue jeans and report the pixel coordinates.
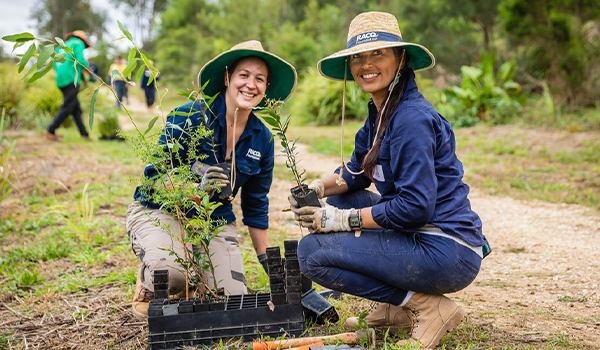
(383, 265)
(120, 90)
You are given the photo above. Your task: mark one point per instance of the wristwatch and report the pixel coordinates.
(354, 220)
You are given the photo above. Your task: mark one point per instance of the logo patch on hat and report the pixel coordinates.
(366, 37)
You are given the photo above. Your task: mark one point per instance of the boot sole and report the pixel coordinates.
(138, 315)
(449, 326)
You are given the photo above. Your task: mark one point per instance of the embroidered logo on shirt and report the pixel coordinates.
(253, 154)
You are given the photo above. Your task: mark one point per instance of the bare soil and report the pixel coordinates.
(538, 289)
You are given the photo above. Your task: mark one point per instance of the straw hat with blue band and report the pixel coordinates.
(370, 31)
(281, 84)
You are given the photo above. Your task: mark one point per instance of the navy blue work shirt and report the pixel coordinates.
(254, 154)
(418, 174)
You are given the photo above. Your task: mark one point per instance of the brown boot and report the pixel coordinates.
(141, 301)
(432, 316)
(50, 136)
(384, 315)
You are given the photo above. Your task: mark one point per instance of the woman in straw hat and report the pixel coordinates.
(419, 239)
(242, 77)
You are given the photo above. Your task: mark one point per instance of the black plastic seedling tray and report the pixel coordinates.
(246, 316)
(173, 323)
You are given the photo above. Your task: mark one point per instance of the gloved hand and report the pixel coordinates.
(213, 178)
(262, 259)
(319, 188)
(324, 220)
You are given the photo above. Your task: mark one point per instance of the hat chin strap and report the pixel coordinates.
(340, 181)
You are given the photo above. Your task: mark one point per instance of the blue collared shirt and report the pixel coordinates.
(254, 154)
(418, 174)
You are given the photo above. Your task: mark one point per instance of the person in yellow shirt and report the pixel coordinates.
(117, 81)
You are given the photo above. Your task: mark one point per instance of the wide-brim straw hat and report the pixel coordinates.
(370, 31)
(282, 81)
(81, 35)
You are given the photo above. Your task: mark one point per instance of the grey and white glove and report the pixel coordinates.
(319, 188)
(324, 220)
(213, 178)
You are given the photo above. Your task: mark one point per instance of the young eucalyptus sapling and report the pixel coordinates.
(175, 183)
(271, 114)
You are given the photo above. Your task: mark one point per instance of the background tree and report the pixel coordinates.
(144, 14)
(56, 18)
(558, 41)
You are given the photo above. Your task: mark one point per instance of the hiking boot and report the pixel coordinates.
(384, 315)
(50, 136)
(141, 301)
(432, 317)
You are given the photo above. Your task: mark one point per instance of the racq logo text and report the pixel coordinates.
(366, 37)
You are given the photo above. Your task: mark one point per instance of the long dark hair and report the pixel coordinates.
(395, 97)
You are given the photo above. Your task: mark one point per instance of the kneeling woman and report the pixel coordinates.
(419, 239)
(242, 76)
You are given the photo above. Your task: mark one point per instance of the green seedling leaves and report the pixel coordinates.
(45, 54)
(130, 67)
(151, 125)
(139, 73)
(19, 38)
(147, 62)
(59, 57)
(131, 55)
(26, 56)
(41, 72)
(125, 31)
(63, 46)
(92, 104)
(115, 73)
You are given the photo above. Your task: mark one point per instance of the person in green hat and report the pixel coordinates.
(240, 157)
(68, 77)
(418, 238)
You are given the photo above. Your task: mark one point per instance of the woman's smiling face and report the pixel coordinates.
(374, 70)
(247, 83)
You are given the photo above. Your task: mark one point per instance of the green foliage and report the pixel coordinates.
(29, 278)
(6, 160)
(59, 17)
(271, 114)
(484, 95)
(319, 101)
(108, 125)
(558, 42)
(11, 88)
(82, 220)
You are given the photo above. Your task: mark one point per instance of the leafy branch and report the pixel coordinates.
(271, 114)
(175, 185)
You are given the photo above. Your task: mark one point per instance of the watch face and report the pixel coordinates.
(354, 220)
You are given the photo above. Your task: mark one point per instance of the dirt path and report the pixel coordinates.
(540, 285)
(542, 279)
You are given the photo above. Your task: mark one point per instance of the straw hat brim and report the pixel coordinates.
(281, 83)
(332, 66)
(81, 36)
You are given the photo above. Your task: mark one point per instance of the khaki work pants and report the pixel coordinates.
(149, 242)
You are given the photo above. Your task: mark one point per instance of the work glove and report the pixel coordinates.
(213, 178)
(319, 188)
(324, 220)
(262, 259)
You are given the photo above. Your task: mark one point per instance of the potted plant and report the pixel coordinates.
(271, 114)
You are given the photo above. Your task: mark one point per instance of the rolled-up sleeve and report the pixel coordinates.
(412, 146)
